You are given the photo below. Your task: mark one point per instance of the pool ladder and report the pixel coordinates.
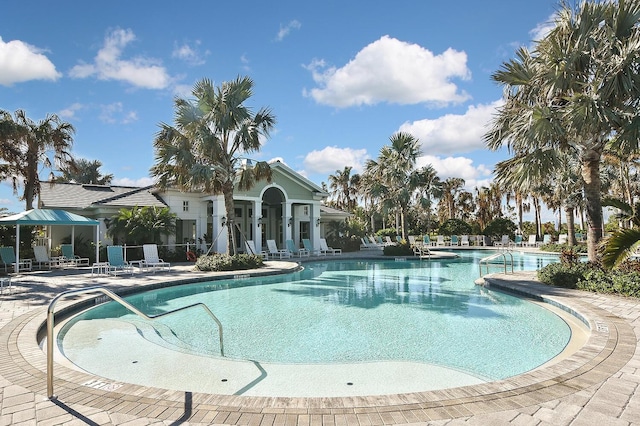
(116, 298)
(501, 254)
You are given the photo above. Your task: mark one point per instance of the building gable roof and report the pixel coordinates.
(47, 217)
(82, 196)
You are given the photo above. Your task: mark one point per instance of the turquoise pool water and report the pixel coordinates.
(358, 311)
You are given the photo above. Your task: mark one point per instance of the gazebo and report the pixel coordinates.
(45, 217)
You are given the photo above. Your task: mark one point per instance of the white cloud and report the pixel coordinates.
(332, 158)
(21, 62)
(543, 28)
(70, 111)
(390, 70)
(108, 65)
(459, 167)
(190, 54)
(284, 31)
(453, 133)
(115, 113)
(144, 181)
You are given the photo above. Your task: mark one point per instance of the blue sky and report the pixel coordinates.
(340, 76)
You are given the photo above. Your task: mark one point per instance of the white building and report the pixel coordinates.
(289, 207)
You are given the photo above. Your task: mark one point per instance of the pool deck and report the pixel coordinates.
(599, 384)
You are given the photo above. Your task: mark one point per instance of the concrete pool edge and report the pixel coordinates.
(606, 352)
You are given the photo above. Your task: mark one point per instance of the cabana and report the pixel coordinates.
(44, 217)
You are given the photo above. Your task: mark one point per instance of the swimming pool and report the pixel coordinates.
(426, 313)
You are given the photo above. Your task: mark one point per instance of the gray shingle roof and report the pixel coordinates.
(78, 196)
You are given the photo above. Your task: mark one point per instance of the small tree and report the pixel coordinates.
(142, 225)
(501, 226)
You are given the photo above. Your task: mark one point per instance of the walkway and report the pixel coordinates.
(597, 385)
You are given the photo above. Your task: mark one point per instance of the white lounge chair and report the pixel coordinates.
(42, 258)
(152, 260)
(532, 241)
(250, 247)
(505, 241)
(275, 252)
(366, 245)
(464, 240)
(562, 238)
(440, 241)
(324, 248)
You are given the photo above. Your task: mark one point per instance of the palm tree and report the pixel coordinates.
(393, 176)
(623, 242)
(140, 225)
(576, 88)
(85, 172)
(344, 188)
(451, 187)
(429, 187)
(27, 145)
(204, 150)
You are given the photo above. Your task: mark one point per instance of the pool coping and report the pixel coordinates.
(611, 345)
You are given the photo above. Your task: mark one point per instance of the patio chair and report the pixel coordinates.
(464, 240)
(412, 240)
(504, 241)
(454, 241)
(274, 252)
(152, 260)
(291, 246)
(387, 241)
(366, 245)
(117, 264)
(42, 258)
(72, 259)
(546, 239)
(518, 241)
(307, 245)
(426, 241)
(250, 247)
(562, 238)
(9, 259)
(324, 248)
(440, 241)
(532, 241)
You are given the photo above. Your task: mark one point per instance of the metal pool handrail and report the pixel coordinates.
(502, 254)
(116, 298)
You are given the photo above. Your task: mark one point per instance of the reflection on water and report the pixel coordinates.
(427, 311)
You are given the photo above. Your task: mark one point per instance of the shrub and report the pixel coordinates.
(558, 248)
(591, 277)
(454, 227)
(499, 227)
(224, 262)
(398, 250)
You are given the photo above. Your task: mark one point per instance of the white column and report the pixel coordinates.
(256, 225)
(315, 224)
(288, 224)
(219, 231)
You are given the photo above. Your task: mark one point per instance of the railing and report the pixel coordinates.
(116, 298)
(487, 260)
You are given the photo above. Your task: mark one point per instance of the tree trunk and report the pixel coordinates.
(593, 203)
(229, 205)
(571, 233)
(536, 208)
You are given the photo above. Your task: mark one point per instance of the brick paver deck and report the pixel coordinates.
(598, 385)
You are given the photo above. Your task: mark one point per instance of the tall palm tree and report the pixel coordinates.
(451, 187)
(27, 145)
(205, 148)
(393, 175)
(429, 187)
(344, 188)
(578, 86)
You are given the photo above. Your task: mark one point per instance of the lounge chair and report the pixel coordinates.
(152, 260)
(532, 241)
(454, 241)
(426, 241)
(307, 245)
(387, 241)
(366, 245)
(42, 258)
(375, 242)
(518, 241)
(399, 239)
(70, 258)
(440, 241)
(412, 240)
(562, 238)
(324, 248)
(291, 246)
(546, 239)
(274, 252)
(250, 246)
(464, 240)
(505, 241)
(9, 259)
(117, 264)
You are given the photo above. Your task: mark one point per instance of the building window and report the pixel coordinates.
(185, 206)
(305, 211)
